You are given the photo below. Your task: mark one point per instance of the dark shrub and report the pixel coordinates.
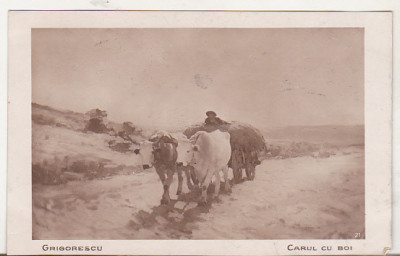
(43, 120)
(47, 174)
(96, 125)
(82, 166)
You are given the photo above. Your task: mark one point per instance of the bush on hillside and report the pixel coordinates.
(47, 173)
(96, 122)
(96, 125)
(56, 171)
(43, 120)
(122, 147)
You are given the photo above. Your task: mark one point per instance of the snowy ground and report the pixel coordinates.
(291, 198)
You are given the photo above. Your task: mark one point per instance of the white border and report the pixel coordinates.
(377, 118)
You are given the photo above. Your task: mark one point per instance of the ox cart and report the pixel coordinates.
(247, 143)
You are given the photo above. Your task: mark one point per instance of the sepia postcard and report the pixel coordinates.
(199, 133)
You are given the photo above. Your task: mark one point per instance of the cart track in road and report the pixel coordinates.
(290, 198)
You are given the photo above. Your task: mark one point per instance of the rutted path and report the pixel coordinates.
(290, 198)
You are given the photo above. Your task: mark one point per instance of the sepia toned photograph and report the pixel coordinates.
(198, 133)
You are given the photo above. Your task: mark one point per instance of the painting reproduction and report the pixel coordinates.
(99, 95)
(199, 134)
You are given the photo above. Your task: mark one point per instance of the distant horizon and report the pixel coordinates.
(195, 123)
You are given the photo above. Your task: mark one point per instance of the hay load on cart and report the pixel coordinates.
(247, 143)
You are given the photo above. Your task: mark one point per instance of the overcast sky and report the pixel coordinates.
(171, 77)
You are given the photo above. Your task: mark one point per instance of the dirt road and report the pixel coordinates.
(290, 198)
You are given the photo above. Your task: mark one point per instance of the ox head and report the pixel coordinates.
(145, 151)
(194, 152)
(195, 155)
(185, 152)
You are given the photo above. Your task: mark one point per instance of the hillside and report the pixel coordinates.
(64, 149)
(67, 145)
(334, 134)
(310, 184)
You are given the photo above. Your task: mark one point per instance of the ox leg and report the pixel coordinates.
(204, 187)
(166, 199)
(189, 183)
(193, 176)
(237, 174)
(237, 169)
(217, 184)
(180, 181)
(253, 171)
(250, 172)
(227, 187)
(234, 169)
(161, 174)
(234, 173)
(240, 172)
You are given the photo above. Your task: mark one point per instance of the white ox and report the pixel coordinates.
(184, 149)
(185, 155)
(211, 152)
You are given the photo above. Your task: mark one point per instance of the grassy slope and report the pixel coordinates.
(295, 197)
(60, 145)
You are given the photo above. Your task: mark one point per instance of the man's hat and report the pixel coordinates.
(209, 113)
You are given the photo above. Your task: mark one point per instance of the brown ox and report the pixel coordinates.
(160, 152)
